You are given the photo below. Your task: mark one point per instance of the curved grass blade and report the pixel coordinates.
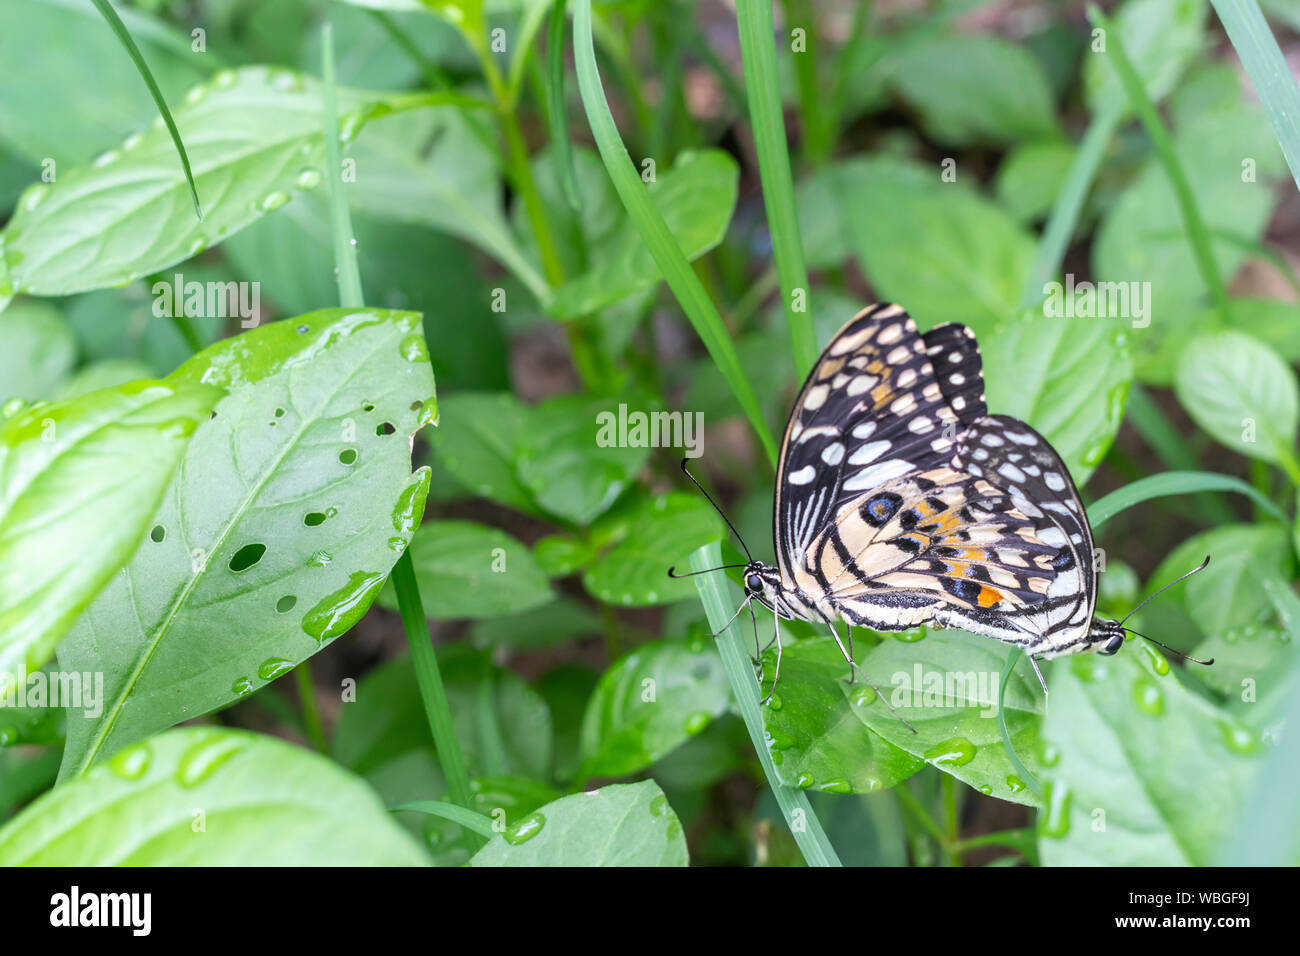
(816, 848)
(1175, 483)
(449, 811)
(681, 278)
(124, 35)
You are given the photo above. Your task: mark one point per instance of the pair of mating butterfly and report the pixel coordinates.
(900, 502)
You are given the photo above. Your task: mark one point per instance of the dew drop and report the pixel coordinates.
(659, 805)
(1015, 783)
(836, 786)
(273, 667)
(203, 759)
(308, 178)
(1148, 697)
(242, 687)
(413, 348)
(1238, 739)
(525, 829)
(336, 613)
(696, 722)
(956, 752)
(1054, 820)
(273, 201)
(803, 781)
(133, 762)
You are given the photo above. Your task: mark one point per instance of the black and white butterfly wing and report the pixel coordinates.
(1022, 466)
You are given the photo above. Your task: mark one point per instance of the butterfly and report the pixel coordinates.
(901, 502)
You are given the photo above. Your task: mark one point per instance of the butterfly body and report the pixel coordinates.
(900, 501)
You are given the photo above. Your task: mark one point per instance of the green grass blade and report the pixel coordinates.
(427, 673)
(124, 36)
(1176, 483)
(1268, 72)
(816, 848)
(555, 101)
(1069, 204)
(681, 278)
(754, 18)
(1164, 147)
(449, 811)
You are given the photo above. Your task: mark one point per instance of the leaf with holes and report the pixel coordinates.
(254, 138)
(79, 483)
(287, 513)
(623, 825)
(279, 805)
(470, 570)
(649, 702)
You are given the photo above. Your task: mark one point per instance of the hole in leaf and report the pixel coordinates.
(213, 415)
(279, 413)
(314, 518)
(158, 533)
(368, 407)
(247, 556)
(416, 405)
(387, 428)
(286, 603)
(348, 456)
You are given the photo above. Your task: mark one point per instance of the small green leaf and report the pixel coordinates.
(470, 570)
(973, 87)
(661, 533)
(79, 483)
(1141, 772)
(1032, 176)
(578, 454)
(289, 509)
(647, 703)
(1160, 36)
(37, 351)
(1068, 378)
(478, 438)
(695, 197)
(544, 626)
(1242, 393)
(265, 802)
(623, 825)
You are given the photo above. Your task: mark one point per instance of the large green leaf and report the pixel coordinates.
(289, 509)
(254, 138)
(649, 702)
(941, 251)
(470, 570)
(695, 197)
(1068, 378)
(37, 351)
(206, 796)
(79, 483)
(969, 86)
(661, 532)
(815, 728)
(478, 440)
(623, 825)
(1141, 772)
(1241, 392)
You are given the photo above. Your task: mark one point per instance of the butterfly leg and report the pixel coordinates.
(853, 668)
(1034, 662)
(776, 674)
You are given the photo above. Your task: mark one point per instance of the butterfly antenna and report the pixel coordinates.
(1159, 591)
(1186, 657)
(710, 500)
(722, 567)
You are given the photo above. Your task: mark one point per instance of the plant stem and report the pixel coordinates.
(310, 711)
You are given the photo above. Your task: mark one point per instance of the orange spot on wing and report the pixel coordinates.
(988, 597)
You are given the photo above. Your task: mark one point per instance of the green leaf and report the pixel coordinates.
(663, 532)
(1242, 393)
(555, 623)
(79, 483)
(623, 825)
(1142, 773)
(972, 87)
(503, 726)
(264, 803)
(289, 509)
(254, 139)
(26, 717)
(815, 730)
(108, 373)
(939, 250)
(695, 197)
(468, 570)
(1160, 36)
(1032, 176)
(647, 703)
(1068, 378)
(37, 351)
(478, 440)
(573, 457)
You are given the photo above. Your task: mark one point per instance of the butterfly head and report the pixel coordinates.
(762, 582)
(1105, 636)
